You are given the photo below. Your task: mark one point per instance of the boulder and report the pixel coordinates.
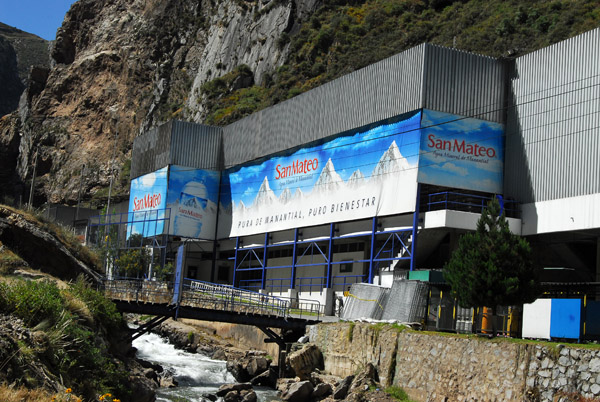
(298, 392)
(248, 395)
(341, 391)
(219, 354)
(322, 390)
(232, 396)
(249, 366)
(365, 379)
(167, 382)
(266, 379)
(306, 360)
(226, 388)
(283, 384)
(257, 366)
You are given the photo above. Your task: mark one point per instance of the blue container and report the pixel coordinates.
(566, 318)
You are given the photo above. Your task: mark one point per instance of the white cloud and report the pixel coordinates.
(451, 167)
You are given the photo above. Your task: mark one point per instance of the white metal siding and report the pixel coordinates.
(553, 128)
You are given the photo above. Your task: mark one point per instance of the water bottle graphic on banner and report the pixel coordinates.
(190, 210)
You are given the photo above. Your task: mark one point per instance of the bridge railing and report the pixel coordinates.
(227, 298)
(138, 290)
(214, 296)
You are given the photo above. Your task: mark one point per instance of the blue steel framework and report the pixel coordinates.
(385, 247)
(101, 232)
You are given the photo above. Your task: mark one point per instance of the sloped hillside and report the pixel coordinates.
(56, 331)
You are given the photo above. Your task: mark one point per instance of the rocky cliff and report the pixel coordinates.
(120, 67)
(18, 52)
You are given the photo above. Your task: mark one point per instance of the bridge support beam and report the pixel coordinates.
(147, 327)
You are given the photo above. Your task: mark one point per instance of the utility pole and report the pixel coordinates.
(35, 158)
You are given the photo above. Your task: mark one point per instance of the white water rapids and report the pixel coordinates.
(196, 374)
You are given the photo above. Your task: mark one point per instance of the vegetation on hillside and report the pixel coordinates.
(69, 326)
(54, 334)
(346, 35)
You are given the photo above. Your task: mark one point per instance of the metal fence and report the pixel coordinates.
(212, 296)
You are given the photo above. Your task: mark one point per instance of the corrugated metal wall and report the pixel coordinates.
(553, 129)
(464, 83)
(377, 92)
(151, 150)
(425, 76)
(196, 146)
(177, 143)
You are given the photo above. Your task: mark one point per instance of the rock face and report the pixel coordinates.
(123, 66)
(304, 361)
(435, 367)
(40, 248)
(18, 52)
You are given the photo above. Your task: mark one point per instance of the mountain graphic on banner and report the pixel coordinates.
(286, 196)
(329, 180)
(240, 207)
(265, 195)
(391, 161)
(356, 179)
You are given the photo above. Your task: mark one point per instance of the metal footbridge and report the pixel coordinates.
(212, 302)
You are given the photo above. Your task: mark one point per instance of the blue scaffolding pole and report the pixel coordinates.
(413, 244)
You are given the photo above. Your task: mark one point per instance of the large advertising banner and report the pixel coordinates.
(461, 152)
(147, 201)
(354, 176)
(193, 197)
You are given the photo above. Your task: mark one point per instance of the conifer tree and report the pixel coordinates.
(492, 266)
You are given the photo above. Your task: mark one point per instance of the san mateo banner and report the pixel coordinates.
(354, 176)
(147, 201)
(193, 197)
(183, 198)
(461, 152)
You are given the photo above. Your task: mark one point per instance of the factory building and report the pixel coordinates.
(378, 173)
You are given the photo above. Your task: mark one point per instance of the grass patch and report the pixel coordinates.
(351, 331)
(76, 321)
(397, 393)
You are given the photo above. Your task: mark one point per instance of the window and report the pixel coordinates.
(346, 267)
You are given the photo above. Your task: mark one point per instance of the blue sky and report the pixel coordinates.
(39, 17)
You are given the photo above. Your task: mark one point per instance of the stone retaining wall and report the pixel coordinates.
(439, 367)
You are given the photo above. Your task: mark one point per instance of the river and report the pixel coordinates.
(195, 373)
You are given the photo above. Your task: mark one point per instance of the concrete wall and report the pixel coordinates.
(438, 367)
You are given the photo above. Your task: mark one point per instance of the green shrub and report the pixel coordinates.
(397, 393)
(30, 301)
